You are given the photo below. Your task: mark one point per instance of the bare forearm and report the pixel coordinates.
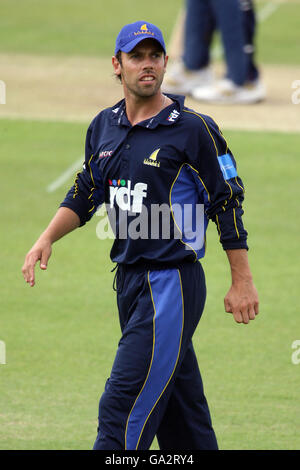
(64, 222)
(239, 265)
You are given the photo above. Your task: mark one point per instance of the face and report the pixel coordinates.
(142, 70)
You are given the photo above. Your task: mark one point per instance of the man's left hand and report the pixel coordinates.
(242, 301)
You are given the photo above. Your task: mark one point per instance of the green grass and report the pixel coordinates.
(277, 37)
(73, 27)
(70, 27)
(62, 334)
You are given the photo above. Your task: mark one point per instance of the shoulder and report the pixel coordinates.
(198, 121)
(102, 116)
(107, 114)
(191, 118)
(204, 130)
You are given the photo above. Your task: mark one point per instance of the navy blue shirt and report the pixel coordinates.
(161, 180)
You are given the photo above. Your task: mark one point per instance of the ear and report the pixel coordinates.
(166, 62)
(116, 65)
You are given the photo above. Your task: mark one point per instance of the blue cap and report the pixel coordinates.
(133, 33)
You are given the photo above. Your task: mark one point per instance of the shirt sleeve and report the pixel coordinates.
(87, 192)
(210, 156)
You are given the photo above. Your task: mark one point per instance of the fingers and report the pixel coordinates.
(235, 311)
(251, 313)
(28, 269)
(239, 318)
(256, 307)
(44, 259)
(31, 259)
(242, 312)
(227, 305)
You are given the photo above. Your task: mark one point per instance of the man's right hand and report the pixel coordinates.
(64, 221)
(41, 251)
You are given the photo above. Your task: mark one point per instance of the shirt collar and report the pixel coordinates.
(168, 116)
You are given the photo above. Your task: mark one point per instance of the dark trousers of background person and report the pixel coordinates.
(235, 19)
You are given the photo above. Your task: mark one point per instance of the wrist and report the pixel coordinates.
(46, 238)
(241, 275)
(242, 280)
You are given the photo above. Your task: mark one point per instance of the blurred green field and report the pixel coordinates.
(70, 27)
(61, 335)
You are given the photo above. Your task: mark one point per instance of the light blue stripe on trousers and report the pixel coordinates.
(168, 321)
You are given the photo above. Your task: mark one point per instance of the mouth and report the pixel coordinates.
(147, 78)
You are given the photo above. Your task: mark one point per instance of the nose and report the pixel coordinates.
(148, 63)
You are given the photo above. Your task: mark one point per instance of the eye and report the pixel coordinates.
(135, 55)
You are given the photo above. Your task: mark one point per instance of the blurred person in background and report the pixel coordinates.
(193, 74)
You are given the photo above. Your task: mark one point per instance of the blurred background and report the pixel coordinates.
(60, 337)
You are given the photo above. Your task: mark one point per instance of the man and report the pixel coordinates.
(150, 150)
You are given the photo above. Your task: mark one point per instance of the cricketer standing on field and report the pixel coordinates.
(151, 150)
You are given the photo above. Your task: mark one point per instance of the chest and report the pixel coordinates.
(140, 161)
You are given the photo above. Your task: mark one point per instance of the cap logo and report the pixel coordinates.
(143, 30)
(131, 34)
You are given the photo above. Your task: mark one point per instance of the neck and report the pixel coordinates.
(140, 108)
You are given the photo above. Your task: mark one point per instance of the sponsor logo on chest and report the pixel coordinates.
(152, 160)
(105, 153)
(173, 116)
(126, 197)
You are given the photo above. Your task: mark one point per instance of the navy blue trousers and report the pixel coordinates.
(155, 387)
(236, 21)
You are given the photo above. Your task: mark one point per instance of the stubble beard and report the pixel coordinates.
(142, 92)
